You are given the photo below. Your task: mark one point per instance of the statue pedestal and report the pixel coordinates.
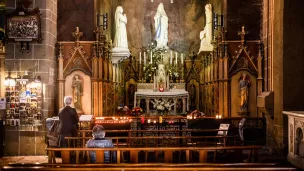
(119, 53)
(206, 48)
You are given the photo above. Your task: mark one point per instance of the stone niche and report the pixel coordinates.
(295, 138)
(86, 96)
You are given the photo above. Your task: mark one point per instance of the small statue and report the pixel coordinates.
(161, 27)
(206, 34)
(77, 86)
(120, 40)
(192, 97)
(244, 93)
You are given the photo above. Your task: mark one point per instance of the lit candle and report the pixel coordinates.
(149, 120)
(182, 59)
(160, 119)
(139, 58)
(171, 58)
(145, 58)
(176, 58)
(151, 58)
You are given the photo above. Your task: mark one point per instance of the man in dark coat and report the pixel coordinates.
(68, 119)
(99, 141)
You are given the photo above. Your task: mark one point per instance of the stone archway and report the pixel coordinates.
(299, 144)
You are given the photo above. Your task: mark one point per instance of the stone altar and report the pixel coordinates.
(147, 92)
(295, 138)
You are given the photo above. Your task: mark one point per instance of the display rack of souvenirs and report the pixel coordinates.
(23, 102)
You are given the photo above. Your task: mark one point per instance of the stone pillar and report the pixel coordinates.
(147, 105)
(61, 80)
(184, 105)
(138, 102)
(175, 100)
(260, 78)
(43, 54)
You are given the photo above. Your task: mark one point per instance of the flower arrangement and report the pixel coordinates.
(137, 111)
(123, 110)
(162, 105)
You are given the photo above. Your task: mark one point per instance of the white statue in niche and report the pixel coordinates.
(161, 27)
(120, 40)
(206, 34)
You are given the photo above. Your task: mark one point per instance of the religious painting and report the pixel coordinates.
(24, 26)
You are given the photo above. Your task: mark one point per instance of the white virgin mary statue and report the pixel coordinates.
(206, 34)
(161, 27)
(120, 40)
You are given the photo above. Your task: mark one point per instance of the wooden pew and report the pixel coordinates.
(130, 140)
(148, 165)
(168, 151)
(152, 166)
(118, 168)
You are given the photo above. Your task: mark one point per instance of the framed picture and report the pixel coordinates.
(23, 25)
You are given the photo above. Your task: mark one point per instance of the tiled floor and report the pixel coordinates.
(25, 159)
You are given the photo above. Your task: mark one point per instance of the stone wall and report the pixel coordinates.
(283, 62)
(244, 13)
(73, 13)
(186, 20)
(29, 140)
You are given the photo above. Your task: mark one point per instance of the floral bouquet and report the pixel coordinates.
(162, 105)
(136, 111)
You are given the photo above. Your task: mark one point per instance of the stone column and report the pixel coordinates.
(44, 55)
(260, 78)
(184, 105)
(61, 80)
(138, 101)
(175, 100)
(147, 105)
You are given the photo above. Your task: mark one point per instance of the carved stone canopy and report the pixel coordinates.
(243, 62)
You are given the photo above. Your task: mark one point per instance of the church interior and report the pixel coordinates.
(176, 84)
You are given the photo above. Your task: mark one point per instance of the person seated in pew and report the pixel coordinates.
(99, 140)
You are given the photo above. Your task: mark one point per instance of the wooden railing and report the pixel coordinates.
(168, 152)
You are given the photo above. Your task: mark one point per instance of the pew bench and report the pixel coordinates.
(168, 152)
(152, 166)
(159, 140)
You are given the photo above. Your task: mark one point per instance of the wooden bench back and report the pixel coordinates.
(168, 152)
(158, 140)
